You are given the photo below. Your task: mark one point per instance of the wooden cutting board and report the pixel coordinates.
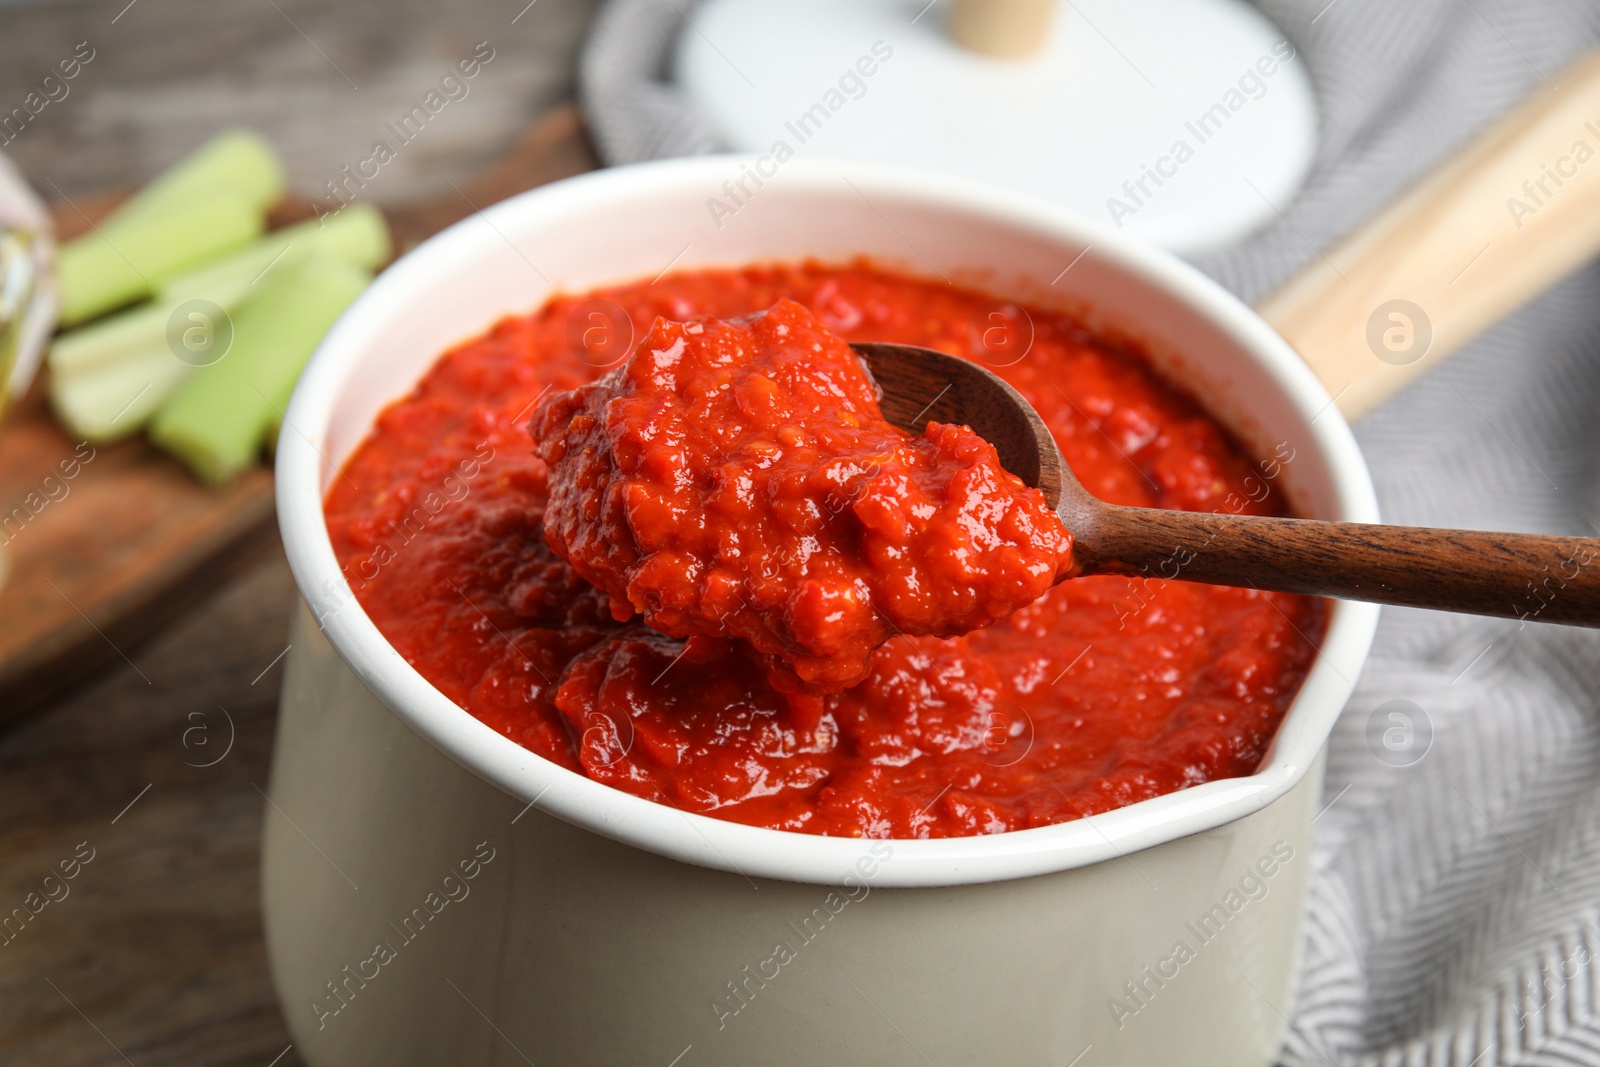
(101, 559)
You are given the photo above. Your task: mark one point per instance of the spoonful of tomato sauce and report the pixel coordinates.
(738, 478)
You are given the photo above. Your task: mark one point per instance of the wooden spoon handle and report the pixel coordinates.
(1512, 212)
(1520, 576)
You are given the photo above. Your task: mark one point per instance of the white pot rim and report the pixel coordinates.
(753, 851)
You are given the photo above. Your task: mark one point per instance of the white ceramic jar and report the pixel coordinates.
(436, 894)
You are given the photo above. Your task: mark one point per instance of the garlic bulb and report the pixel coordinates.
(27, 291)
(27, 281)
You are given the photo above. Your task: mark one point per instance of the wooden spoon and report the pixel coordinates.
(1523, 576)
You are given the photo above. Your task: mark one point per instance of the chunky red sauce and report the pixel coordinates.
(1103, 692)
(737, 478)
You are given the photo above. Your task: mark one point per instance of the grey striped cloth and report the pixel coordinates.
(1454, 915)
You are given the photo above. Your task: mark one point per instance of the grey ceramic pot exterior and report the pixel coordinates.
(575, 949)
(436, 894)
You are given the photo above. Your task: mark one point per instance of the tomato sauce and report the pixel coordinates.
(737, 478)
(1102, 692)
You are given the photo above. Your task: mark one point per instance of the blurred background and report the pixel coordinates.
(317, 79)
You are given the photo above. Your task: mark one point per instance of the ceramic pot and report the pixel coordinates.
(435, 893)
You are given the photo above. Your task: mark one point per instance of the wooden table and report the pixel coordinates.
(156, 949)
(153, 952)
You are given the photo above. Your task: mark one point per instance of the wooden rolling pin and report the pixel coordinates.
(1508, 216)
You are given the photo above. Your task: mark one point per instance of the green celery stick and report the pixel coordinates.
(106, 341)
(112, 402)
(372, 235)
(217, 420)
(121, 262)
(238, 162)
(356, 235)
(215, 197)
(96, 369)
